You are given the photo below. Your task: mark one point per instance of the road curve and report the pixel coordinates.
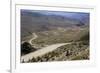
(34, 37)
(42, 51)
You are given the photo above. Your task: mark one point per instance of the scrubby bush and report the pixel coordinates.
(26, 48)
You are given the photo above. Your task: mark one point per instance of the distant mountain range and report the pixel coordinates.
(34, 21)
(82, 16)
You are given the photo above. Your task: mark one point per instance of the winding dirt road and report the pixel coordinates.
(42, 51)
(34, 37)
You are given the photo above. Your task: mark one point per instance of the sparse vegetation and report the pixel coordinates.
(60, 36)
(53, 29)
(74, 51)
